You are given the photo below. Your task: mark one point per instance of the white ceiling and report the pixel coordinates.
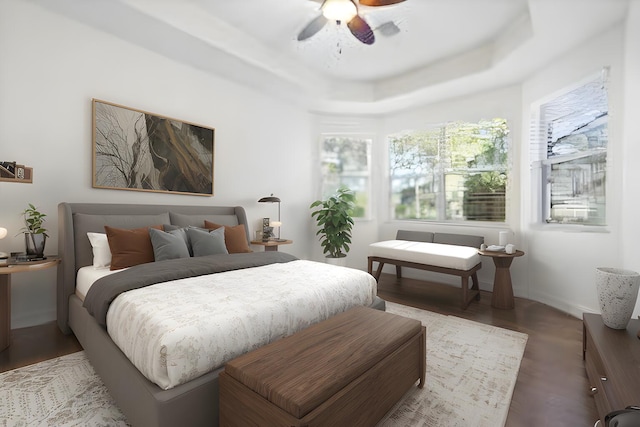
(445, 48)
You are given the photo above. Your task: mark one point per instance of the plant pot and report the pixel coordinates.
(34, 244)
(342, 261)
(617, 295)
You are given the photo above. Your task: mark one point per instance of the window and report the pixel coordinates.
(572, 154)
(455, 172)
(345, 161)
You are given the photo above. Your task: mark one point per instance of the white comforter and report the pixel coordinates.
(176, 331)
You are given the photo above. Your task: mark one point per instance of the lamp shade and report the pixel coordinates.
(3, 233)
(269, 199)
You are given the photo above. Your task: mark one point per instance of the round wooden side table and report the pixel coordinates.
(5, 292)
(502, 296)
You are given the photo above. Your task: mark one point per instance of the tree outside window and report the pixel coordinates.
(456, 172)
(346, 161)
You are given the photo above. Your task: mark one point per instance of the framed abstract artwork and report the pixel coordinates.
(141, 151)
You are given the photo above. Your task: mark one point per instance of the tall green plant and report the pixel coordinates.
(334, 219)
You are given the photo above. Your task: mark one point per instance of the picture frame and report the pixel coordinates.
(141, 151)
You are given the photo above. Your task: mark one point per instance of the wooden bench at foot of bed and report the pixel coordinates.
(453, 254)
(348, 370)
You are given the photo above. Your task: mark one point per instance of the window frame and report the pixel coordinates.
(365, 136)
(444, 172)
(542, 163)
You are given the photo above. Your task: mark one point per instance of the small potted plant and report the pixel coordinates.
(35, 236)
(334, 219)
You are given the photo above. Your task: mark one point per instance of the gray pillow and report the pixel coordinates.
(169, 245)
(207, 243)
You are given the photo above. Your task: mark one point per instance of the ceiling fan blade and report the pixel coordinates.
(361, 30)
(379, 2)
(312, 27)
(388, 29)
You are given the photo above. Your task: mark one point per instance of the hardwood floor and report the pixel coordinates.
(552, 384)
(551, 389)
(35, 344)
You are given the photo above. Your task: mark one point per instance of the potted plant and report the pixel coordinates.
(35, 236)
(334, 219)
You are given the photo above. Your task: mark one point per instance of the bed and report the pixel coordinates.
(183, 400)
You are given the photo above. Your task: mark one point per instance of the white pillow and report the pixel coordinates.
(101, 251)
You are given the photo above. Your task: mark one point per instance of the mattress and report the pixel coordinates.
(176, 331)
(87, 276)
(437, 254)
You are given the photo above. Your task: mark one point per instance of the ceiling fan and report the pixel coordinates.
(347, 11)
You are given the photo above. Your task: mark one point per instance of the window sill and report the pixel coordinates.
(571, 228)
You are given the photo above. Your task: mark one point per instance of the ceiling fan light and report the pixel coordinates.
(339, 10)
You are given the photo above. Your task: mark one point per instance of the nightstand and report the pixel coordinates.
(5, 292)
(271, 245)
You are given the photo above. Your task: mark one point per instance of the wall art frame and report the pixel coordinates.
(141, 151)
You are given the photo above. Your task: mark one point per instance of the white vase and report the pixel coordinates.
(617, 294)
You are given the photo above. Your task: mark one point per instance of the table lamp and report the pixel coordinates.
(273, 199)
(3, 234)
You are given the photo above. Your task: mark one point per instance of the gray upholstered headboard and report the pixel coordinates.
(76, 219)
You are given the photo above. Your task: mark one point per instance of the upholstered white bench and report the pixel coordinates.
(447, 253)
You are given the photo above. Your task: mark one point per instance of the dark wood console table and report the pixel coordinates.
(612, 360)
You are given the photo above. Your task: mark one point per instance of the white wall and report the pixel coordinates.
(562, 260)
(630, 205)
(51, 68)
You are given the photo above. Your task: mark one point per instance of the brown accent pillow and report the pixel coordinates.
(235, 238)
(130, 247)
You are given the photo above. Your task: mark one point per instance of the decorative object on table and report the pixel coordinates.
(137, 150)
(8, 170)
(272, 224)
(3, 234)
(503, 238)
(267, 230)
(35, 235)
(509, 248)
(617, 294)
(334, 219)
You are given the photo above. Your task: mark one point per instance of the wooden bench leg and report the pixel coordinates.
(370, 268)
(465, 292)
(379, 270)
(398, 272)
(475, 286)
(469, 295)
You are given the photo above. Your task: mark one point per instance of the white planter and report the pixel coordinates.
(617, 294)
(342, 261)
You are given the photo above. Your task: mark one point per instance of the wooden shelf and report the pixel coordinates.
(28, 177)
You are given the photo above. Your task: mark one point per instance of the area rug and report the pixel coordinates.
(471, 372)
